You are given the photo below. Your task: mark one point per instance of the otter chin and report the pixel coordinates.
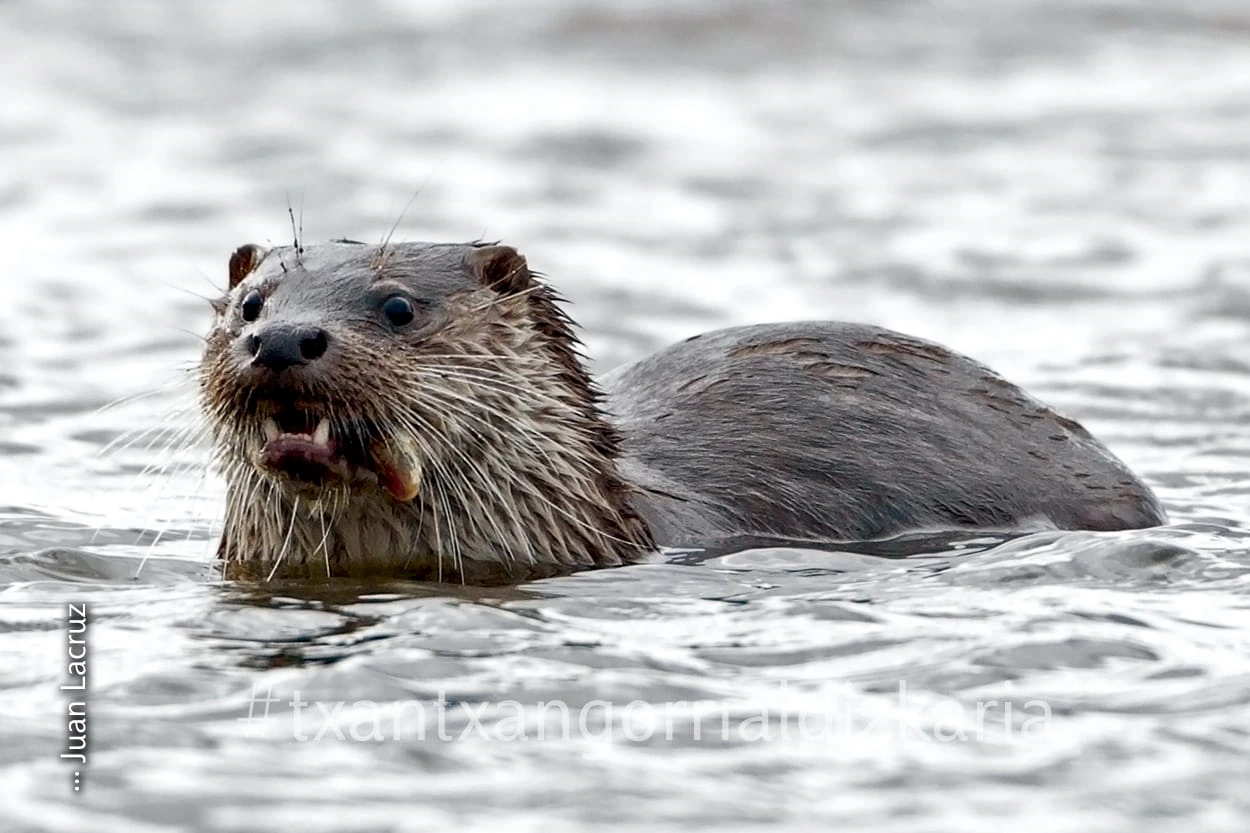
(423, 410)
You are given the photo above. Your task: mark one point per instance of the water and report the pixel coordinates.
(1057, 188)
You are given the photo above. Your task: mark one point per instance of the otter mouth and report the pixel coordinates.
(299, 444)
(307, 447)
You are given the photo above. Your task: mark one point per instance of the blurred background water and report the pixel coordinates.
(1057, 187)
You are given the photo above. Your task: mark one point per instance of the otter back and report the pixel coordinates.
(831, 431)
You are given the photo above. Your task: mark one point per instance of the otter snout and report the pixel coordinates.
(280, 346)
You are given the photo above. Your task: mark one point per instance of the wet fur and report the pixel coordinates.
(813, 431)
(519, 465)
(828, 431)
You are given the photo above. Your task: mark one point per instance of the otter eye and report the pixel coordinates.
(398, 310)
(250, 308)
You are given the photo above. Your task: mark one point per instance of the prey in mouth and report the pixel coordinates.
(314, 452)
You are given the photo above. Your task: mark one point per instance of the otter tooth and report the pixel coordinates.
(270, 427)
(322, 435)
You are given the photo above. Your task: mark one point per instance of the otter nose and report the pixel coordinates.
(280, 347)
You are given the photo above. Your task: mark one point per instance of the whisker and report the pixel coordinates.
(286, 542)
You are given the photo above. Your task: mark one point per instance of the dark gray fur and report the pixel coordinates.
(334, 279)
(829, 431)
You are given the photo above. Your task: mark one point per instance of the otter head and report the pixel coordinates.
(404, 403)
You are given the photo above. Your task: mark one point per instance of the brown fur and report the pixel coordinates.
(518, 461)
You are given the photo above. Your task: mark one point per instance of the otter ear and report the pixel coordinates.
(501, 268)
(243, 261)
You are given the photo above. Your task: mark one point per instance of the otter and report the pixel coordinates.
(424, 410)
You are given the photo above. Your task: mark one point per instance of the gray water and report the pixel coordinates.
(1056, 188)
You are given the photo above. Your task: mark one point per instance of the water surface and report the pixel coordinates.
(1057, 188)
